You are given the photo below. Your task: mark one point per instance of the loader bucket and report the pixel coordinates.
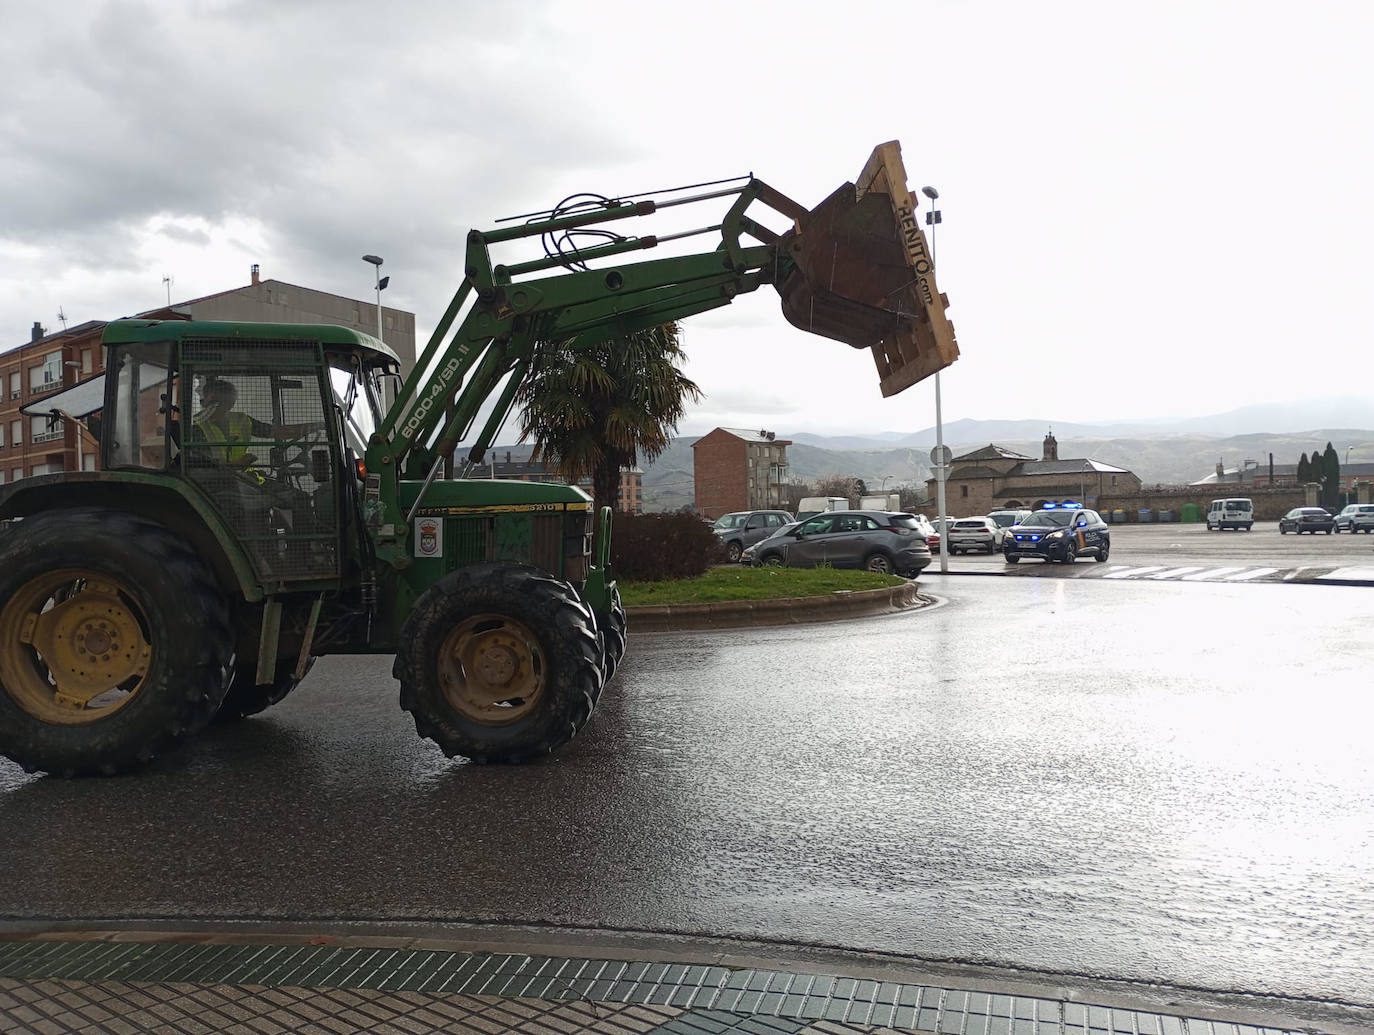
(861, 274)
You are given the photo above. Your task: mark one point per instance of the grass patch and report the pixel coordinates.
(733, 583)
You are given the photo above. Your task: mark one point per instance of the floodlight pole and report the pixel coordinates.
(932, 217)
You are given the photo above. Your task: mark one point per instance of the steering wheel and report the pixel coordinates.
(290, 457)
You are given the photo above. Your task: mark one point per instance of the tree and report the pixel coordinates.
(1330, 478)
(793, 493)
(845, 485)
(594, 410)
(1304, 470)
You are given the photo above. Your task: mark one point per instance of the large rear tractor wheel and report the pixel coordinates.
(499, 663)
(614, 637)
(114, 642)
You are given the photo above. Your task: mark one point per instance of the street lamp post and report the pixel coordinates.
(932, 218)
(382, 282)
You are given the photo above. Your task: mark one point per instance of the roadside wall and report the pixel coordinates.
(1270, 503)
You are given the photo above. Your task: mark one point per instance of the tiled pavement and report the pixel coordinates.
(185, 988)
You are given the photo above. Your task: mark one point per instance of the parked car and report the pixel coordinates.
(1357, 517)
(875, 540)
(1006, 518)
(751, 553)
(1236, 512)
(1058, 532)
(926, 529)
(1307, 519)
(975, 533)
(940, 525)
(746, 527)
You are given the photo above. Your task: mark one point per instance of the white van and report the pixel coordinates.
(1236, 512)
(810, 506)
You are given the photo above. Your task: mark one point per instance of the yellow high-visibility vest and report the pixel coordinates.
(235, 442)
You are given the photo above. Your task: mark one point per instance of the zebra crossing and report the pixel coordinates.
(1190, 573)
(1179, 573)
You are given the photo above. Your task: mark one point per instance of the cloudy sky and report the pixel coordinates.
(1152, 209)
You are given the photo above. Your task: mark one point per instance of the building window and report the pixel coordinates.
(1113, 479)
(16, 432)
(48, 374)
(16, 385)
(41, 432)
(2, 436)
(86, 361)
(963, 491)
(16, 474)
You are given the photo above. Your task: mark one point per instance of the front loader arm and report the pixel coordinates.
(854, 269)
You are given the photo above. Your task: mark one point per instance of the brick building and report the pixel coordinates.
(631, 479)
(735, 469)
(993, 478)
(45, 365)
(50, 362)
(1253, 475)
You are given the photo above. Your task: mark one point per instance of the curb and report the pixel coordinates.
(780, 611)
(515, 979)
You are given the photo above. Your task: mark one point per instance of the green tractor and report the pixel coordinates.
(269, 493)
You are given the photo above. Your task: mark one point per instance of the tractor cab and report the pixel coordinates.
(267, 421)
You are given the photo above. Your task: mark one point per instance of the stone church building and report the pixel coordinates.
(994, 478)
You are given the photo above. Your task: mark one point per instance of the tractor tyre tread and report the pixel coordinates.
(552, 610)
(616, 636)
(247, 697)
(188, 616)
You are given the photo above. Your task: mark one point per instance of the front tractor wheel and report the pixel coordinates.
(247, 697)
(114, 642)
(614, 637)
(499, 663)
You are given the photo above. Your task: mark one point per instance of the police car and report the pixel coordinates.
(1058, 532)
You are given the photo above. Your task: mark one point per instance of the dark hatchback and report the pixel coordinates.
(1058, 533)
(874, 540)
(1307, 519)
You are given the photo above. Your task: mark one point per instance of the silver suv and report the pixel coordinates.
(1357, 517)
(746, 527)
(875, 540)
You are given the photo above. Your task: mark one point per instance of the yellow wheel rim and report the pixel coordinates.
(491, 669)
(74, 647)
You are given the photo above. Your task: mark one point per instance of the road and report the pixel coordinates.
(1191, 553)
(1154, 781)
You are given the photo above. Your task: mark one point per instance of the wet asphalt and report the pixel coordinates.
(1162, 782)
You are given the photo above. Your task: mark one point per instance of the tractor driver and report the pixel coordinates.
(219, 424)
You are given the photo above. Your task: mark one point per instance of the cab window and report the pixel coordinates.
(140, 409)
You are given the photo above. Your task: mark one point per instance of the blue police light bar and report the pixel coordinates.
(1049, 506)
(1071, 506)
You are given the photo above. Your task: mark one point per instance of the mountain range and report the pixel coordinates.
(1168, 452)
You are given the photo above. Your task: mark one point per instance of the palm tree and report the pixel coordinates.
(595, 410)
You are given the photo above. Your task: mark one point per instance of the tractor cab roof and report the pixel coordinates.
(333, 337)
(88, 396)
